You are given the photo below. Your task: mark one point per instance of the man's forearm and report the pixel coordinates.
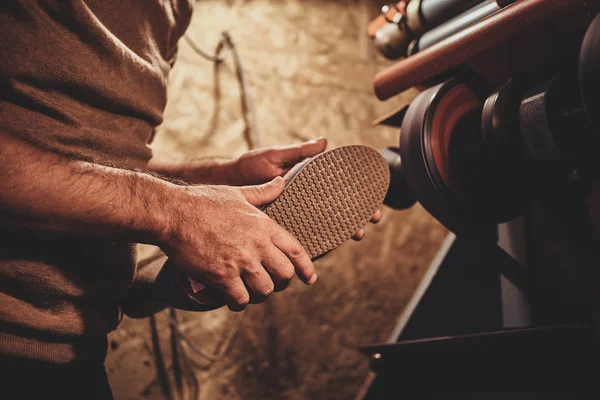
(52, 193)
(215, 171)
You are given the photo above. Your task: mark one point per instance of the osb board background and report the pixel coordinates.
(310, 68)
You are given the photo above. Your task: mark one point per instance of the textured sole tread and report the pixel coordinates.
(332, 197)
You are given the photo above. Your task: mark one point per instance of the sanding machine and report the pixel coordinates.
(472, 154)
(505, 127)
(472, 160)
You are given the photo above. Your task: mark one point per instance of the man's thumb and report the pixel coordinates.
(263, 194)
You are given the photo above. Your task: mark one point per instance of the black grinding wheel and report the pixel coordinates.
(503, 154)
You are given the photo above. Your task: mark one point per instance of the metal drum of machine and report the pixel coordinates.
(473, 160)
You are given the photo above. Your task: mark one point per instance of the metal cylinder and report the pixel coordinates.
(435, 12)
(392, 41)
(413, 17)
(454, 25)
(399, 195)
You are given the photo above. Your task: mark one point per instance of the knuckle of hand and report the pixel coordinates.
(229, 271)
(241, 259)
(221, 273)
(258, 190)
(241, 299)
(260, 242)
(267, 291)
(276, 230)
(288, 274)
(244, 260)
(252, 269)
(296, 250)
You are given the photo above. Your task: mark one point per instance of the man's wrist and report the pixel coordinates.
(216, 170)
(230, 173)
(153, 219)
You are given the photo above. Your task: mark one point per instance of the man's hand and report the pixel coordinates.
(374, 219)
(262, 165)
(218, 236)
(253, 168)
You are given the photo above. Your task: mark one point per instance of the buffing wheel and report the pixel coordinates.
(428, 170)
(471, 163)
(449, 162)
(392, 41)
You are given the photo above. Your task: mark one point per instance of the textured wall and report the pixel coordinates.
(311, 68)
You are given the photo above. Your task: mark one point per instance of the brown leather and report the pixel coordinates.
(380, 21)
(508, 23)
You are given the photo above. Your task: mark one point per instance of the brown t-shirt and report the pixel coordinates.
(86, 79)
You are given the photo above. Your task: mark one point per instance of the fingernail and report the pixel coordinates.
(316, 140)
(277, 181)
(312, 279)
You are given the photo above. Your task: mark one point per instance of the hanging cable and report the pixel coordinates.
(178, 351)
(216, 59)
(246, 102)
